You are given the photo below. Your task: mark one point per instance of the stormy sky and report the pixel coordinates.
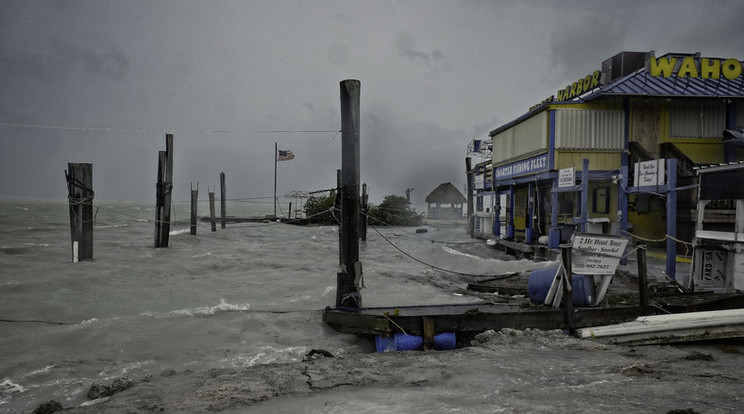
(101, 81)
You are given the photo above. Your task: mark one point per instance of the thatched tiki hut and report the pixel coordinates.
(445, 202)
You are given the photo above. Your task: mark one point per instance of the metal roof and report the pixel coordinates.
(640, 83)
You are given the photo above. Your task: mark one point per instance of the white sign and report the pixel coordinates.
(566, 177)
(649, 173)
(479, 182)
(596, 255)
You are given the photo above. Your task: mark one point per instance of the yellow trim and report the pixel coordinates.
(611, 104)
(663, 256)
(664, 122)
(708, 153)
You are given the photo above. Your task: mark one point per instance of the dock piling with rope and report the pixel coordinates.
(79, 178)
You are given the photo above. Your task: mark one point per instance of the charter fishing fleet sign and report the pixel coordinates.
(596, 255)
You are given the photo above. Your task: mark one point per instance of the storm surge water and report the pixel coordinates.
(250, 294)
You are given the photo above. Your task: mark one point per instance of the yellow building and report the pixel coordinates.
(609, 152)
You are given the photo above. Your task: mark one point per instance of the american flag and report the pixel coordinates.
(285, 155)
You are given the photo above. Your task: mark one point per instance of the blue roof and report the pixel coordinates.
(640, 83)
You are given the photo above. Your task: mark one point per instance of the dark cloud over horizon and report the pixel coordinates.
(434, 74)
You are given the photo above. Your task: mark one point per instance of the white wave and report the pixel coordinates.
(177, 232)
(112, 226)
(328, 290)
(8, 387)
(268, 355)
(457, 252)
(23, 245)
(39, 371)
(88, 322)
(211, 310)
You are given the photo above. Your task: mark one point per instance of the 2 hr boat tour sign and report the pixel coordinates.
(596, 254)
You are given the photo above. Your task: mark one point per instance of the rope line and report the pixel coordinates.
(687, 245)
(423, 262)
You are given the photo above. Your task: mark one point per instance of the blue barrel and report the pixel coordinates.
(445, 341)
(405, 342)
(539, 281)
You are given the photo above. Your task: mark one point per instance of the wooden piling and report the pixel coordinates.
(428, 332)
(567, 288)
(80, 193)
(211, 211)
(364, 213)
(194, 200)
(223, 206)
(470, 213)
(642, 280)
(164, 190)
(351, 267)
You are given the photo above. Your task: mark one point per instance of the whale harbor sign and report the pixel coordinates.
(523, 167)
(694, 67)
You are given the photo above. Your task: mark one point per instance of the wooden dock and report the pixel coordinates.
(509, 307)
(468, 318)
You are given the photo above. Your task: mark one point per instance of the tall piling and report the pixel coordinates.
(364, 213)
(80, 193)
(194, 201)
(350, 280)
(164, 189)
(470, 212)
(212, 219)
(223, 200)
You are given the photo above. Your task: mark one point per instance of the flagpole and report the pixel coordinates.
(275, 161)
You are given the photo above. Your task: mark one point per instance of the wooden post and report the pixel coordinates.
(341, 254)
(671, 220)
(428, 330)
(471, 217)
(364, 212)
(194, 199)
(223, 206)
(80, 194)
(159, 202)
(211, 211)
(164, 192)
(567, 288)
(351, 267)
(642, 280)
(289, 213)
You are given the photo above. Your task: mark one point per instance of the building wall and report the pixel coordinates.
(597, 160)
(647, 121)
(529, 136)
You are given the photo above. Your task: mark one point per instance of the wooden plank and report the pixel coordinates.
(468, 318)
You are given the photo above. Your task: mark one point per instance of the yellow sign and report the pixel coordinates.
(583, 85)
(694, 67)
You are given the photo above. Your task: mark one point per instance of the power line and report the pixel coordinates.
(180, 131)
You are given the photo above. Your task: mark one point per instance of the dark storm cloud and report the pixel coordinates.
(577, 48)
(406, 44)
(435, 74)
(399, 154)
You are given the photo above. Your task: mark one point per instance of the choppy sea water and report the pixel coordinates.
(250, 294)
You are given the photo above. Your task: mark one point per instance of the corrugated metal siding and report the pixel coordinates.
(589, 129)
(597, 160)
(697, 119)
(523, 138)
